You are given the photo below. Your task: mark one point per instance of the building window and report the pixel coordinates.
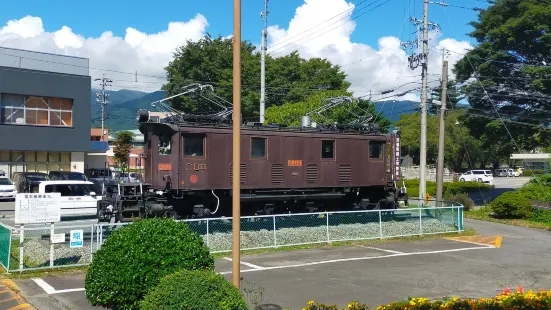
(328, 149)
(375, 149)
(258, 147)
(31, 110)
(194, 146)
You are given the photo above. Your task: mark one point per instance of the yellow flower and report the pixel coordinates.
(311, 303)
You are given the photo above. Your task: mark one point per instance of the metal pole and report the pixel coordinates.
(423, 151)
(236, 190)
(263, 62)
(440, 175)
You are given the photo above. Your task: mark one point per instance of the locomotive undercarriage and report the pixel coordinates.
(218, 203)
(124, 205)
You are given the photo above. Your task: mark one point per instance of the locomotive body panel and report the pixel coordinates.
(270, 159)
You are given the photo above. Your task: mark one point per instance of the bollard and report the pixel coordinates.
(268, 307)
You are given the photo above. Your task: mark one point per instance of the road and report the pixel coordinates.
(375, 275)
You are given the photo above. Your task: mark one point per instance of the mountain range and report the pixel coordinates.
(120, 112)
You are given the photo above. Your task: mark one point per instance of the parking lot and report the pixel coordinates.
(374, 274)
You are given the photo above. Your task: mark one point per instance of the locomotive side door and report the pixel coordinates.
(194, 161)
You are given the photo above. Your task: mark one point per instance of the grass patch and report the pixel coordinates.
(540, 219)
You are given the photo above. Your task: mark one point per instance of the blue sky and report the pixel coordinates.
(93, 18)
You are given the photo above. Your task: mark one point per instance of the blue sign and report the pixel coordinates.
(77, 240)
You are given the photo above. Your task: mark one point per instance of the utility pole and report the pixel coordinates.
(423, 155)
(440, 175)
(102, 99)
(264, 16)
(236, 190)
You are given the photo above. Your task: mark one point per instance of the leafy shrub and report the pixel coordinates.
(538, 188)
(463, 199)
(507, 299)
(529, 173)
(448, 188)
(194, 290)
(512, 204)
(134, 259)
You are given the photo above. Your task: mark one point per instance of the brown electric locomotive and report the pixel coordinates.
(188, 168)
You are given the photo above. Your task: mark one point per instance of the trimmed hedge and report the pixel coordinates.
(512, 205)
(529, 173)
(135, 258)
(449, 188)
(463, 199)
(194, 290)
(507, 299)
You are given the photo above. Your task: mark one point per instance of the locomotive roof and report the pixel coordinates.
(208, 123)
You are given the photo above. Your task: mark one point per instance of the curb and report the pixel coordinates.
(7, 285)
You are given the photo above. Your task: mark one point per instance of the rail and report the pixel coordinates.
(31, 248)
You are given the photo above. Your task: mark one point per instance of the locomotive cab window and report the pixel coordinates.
(194, 146)
(165, 144)
(327, 149)
(258, 147)
(375, 149)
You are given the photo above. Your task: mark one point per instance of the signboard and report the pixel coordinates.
(76, 239)
(58, 238)
(33, 208)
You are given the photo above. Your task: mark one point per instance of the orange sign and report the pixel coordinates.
(165, 167)
(294, 163)
(193, 178)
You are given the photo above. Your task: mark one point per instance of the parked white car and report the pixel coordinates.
(481, 176)
(7, 188)
(78, 198)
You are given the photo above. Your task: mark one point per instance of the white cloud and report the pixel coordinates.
(316, 32)
(145, 53)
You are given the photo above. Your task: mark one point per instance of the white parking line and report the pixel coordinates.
(51, 290)
(364, 258)
(384, 250)
(256, 267)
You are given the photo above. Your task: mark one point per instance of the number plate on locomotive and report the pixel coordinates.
(294, 163)
(165, 167)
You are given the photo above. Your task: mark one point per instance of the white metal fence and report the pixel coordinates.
(32, 248)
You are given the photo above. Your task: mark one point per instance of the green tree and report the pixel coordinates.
(123, 145)
(457, 140)
(289, 78)
(453, 97)
(291, 113)
(511, 81)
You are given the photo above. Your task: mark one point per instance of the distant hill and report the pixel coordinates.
(120, 112)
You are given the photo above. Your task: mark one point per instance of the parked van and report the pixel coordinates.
(476, 176)
(78, 198)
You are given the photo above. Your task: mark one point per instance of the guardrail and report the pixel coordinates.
(31, 248)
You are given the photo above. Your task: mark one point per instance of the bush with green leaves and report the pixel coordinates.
(194, 290)
(463, 199)
(513, 205)
(135, 258)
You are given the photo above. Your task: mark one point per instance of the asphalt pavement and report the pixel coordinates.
(378, 274)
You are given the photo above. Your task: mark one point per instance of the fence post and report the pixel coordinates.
(52, 256)
(275, 238)
(327, 224)
(91, 243)
(420, 222)
(9, 252)
(207, 232)
(380, 224)
(21, 239)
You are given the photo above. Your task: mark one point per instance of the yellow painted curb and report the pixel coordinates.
(15, 292)
(494, 241)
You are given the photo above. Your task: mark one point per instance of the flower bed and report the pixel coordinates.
(507, 299)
